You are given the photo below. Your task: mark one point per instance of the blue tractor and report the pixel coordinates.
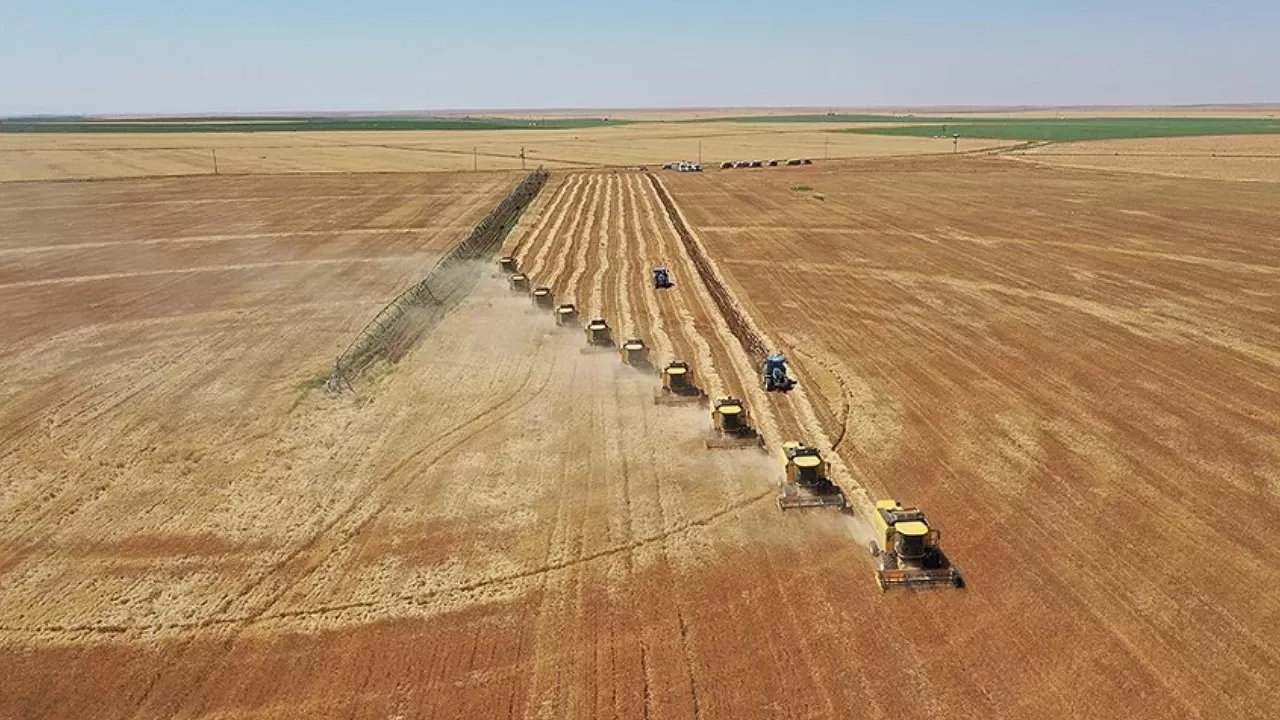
(661, 278)
(773, 375)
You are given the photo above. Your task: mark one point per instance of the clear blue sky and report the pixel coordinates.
(158, 56)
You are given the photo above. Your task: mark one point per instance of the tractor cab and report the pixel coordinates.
(773, 374)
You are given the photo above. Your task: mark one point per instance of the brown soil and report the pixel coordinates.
(1073, 372)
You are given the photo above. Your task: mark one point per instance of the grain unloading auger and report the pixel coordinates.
(731, 427)
(804, 480)
(678, 387)
(911, 555)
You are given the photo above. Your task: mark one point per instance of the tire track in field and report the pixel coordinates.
(324, 544)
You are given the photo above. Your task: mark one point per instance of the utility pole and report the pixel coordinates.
(475, 158)
(826, 148)
(215, 161)
(699, 152)
(522, 165)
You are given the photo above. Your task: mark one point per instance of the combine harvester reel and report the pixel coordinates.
(677, 386)
(519, 283)
(661, 278)
(730, 426)
(912, 555)
(635, 353)
(566, 315)
(541, 297)
(805, 483)
(599, 338)
(774, 376)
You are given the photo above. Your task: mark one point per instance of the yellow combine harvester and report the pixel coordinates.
(598, 334)
(542, 297)
(519, 282)
(566, 314)
(804, 482)
(677, 386)
(635, 353)
(731, 427)
(508, 265)
(912, 555)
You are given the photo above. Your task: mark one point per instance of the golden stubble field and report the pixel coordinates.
(1072, 371)
(70, 156)
(1254, 158)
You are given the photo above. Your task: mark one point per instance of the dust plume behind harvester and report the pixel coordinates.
(566, 314)
(805, 483)
(542, 298)
(678, 386)
(908, 551)
(519, 282)
(731, 426)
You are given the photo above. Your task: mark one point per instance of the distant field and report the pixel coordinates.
(1253, 158)
(295, 124)
(1077, 129)
(55, 156)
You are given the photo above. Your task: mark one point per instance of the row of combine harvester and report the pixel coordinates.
(907, 550)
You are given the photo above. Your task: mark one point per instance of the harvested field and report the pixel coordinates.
(1076, 373)
(1053, 362)
(71, 156)
(1253, 158)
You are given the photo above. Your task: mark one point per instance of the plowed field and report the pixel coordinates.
(1074, 373)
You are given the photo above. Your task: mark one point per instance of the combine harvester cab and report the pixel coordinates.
(541, 298)
(661, 278)
(566, 314)
(598, 336)
(519, 283)
(805, 483)
(731, 427)
(677, 386)
(508, 265)
(912, 554)
(774, 376)
(635, 353)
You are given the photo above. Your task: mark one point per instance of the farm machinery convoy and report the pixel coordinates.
(907, 550)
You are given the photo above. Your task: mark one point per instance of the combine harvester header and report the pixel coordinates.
(912, 554)
(804, 480)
